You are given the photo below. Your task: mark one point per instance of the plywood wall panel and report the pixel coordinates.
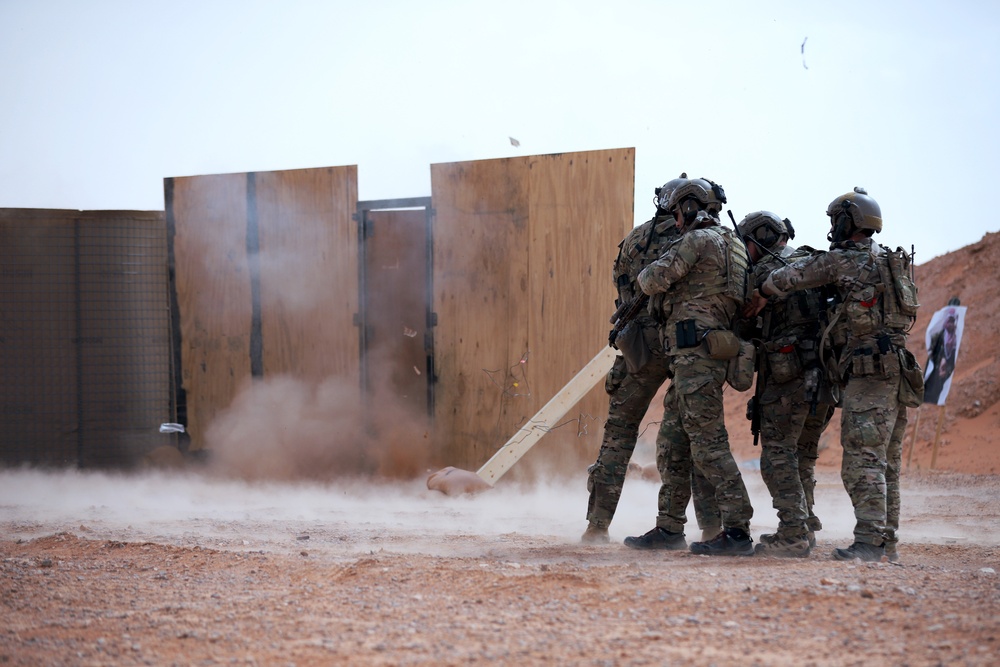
(580, 209)
(523, 256)
(481, 299)
(213, 292)
(309, 273)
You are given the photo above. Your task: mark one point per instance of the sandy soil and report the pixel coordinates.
(163, 569)
(184, 568)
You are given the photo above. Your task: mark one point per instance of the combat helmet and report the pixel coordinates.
(661, 195)
(694, 195)
(861, 210)
(765, 228)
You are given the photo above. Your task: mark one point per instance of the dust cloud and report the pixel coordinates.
(353, 517)
(287, 429)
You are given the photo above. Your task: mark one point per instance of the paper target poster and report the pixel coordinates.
(943, 340)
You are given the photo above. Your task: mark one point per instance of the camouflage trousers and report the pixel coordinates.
(869, 416)
(894, 463)
(630, 396)
(789, 449)
(693, 436)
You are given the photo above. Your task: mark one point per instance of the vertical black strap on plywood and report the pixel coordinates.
(253, 262)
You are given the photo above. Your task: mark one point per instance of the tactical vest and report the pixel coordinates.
(635, 254)
(701, 281)
(884, 299)
(802, 308)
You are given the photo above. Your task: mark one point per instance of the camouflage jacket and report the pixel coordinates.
(852, 269)
(698, 277)
(790, 329)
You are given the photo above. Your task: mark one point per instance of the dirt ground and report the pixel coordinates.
(192, 568)
(186, 569)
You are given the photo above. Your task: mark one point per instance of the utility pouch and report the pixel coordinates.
(911, 380)
(905, 288)
(632, 345)
(739, 372)
(722, 344)
(615, 376)
(687, 335)
(783, 363)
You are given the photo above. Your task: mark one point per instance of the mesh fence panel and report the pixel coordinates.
(84, 337)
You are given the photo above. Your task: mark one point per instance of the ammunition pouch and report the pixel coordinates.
(687, 334)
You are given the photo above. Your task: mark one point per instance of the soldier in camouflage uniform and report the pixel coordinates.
(696, 289)
(794, 399)
(631, 392)
(868, 333)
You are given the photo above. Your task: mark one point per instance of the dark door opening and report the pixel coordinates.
(396, 319)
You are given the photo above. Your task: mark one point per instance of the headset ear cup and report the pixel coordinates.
(690, 211)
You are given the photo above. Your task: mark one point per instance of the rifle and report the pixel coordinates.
(626, 312)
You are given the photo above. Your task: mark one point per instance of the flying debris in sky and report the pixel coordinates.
(514, 142)
(802, 49)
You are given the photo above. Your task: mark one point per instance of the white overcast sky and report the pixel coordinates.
(101, 100)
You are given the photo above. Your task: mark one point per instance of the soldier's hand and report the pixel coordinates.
(757, 303)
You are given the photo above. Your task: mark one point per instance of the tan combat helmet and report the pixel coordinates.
(766, 229)
(662, 194)
(862, 210)
(694, 195)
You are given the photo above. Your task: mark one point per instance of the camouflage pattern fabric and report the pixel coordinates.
(679, 283)
(871, 376)
(894, 464)
(693, 435)
(794, 412)
(693, 431)
(788, 461)
(808, 452)
(631, 394)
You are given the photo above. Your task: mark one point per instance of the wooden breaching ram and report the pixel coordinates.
(454, 481)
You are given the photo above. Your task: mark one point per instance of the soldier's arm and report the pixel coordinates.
(810, 272)
(673, 265)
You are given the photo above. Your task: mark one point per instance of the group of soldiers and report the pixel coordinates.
(825, 330)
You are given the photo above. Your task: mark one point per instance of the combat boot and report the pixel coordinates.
(595, 535)
(866, 552)
(730, 542)
(783, 547)
(658, 538)
(771, 537)
(891, 553)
